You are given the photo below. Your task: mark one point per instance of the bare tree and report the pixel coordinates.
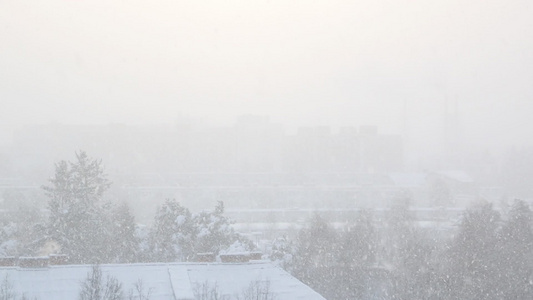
(6, 289)
(94, 287)
(139, 292)
(257, 290)
(208, 291)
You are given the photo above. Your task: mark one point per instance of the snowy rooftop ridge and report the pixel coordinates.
(163, 280)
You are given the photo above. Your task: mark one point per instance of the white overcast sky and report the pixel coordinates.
(301, 62)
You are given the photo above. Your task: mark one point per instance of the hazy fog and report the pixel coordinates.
(399, 65)
(373, 149)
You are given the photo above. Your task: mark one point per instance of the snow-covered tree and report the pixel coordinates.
(515, 254)
(8, 238)
(21, 231)
(472, 269)
(358, 242)
(315, 257)
(176, 235)
(400, 231)
(356, 255)
(213, 232)
(77, 208)
(282, 252)
(124, 243)
(413, 275)
(172, 234)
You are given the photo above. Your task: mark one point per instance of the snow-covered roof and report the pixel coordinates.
(408, 180)
(457, 175)
(165, 281)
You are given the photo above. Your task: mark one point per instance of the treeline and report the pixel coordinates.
(91, 230)
(488, 257)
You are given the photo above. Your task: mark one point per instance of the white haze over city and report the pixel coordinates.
(398, 65)
(266, 149)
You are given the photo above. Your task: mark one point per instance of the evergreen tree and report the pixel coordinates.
(413, 275)
(472, 266)
(315, 258)
(356, 256)
(358, 242)
(77, 209)
(400, 230)
(124, 242)
(515, 255)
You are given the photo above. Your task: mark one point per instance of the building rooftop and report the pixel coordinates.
(164, 281)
